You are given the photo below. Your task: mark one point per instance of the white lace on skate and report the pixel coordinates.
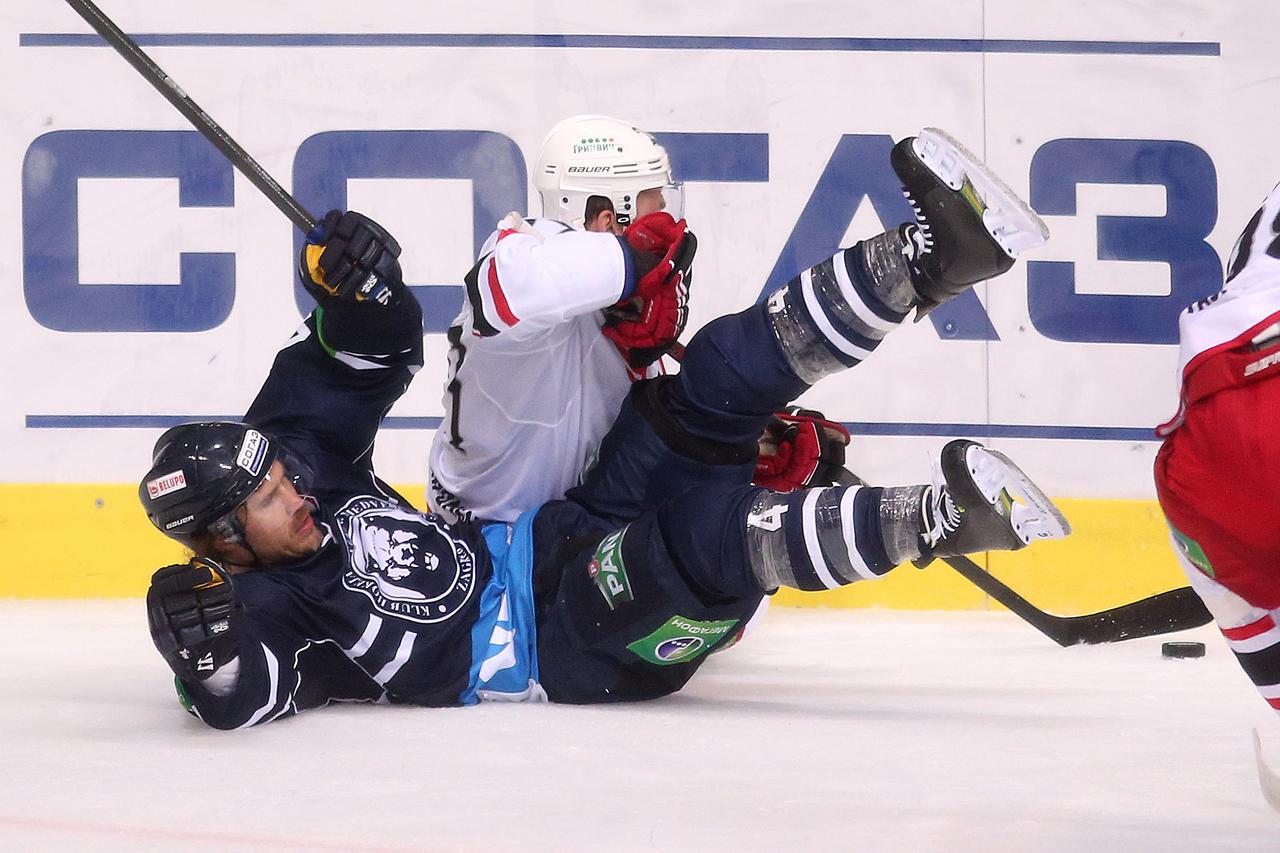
(942, 516)
(1008, 219)
(1030, 512)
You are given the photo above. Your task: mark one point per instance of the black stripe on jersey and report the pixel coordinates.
(1263, 666)
(1244, 246)
(478, 320)
(454, 388)
(563, 227)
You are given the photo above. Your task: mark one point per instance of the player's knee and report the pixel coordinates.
(650, 399)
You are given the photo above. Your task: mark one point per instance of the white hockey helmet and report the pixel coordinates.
(593, 155)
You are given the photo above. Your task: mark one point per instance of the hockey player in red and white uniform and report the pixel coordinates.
(562, 314)
(1218, 471)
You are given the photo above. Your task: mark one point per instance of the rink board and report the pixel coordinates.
(144, 283)
(1119, 554)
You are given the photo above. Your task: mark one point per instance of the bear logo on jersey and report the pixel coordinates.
(406, 563)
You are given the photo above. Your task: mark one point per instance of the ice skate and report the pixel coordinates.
(981, 501)
(969, 226)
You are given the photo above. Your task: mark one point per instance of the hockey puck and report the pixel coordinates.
(1182, 650)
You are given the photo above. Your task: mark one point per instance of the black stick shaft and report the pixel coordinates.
(210, 129)
(1163, 613)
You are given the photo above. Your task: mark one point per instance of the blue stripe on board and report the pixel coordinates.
(638, 42)
(164, 421)
(1085, 433)
(856, 427)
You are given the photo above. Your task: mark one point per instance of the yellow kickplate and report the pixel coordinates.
(93, 541)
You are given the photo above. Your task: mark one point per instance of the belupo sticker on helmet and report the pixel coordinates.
(252, 451)
(166, 483)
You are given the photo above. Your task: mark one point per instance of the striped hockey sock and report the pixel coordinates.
(833, 315)
(816, 539)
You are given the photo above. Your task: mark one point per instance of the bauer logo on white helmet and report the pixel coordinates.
(594, 155)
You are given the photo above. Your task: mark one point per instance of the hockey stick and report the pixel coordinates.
(1163, 613)
(1267, 777)
(173, 93)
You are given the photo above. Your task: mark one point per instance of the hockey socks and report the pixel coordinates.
(969, 227)
(832, 316)
(818, 539)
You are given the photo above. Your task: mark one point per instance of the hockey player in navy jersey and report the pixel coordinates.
(554, 330)
(314, 582)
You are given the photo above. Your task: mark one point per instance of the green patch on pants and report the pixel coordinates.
(681, 640)
(609, 572)
(1192, 551)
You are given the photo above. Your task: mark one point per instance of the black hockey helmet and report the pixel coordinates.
(201, 473)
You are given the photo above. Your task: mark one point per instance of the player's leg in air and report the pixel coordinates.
(675, 468)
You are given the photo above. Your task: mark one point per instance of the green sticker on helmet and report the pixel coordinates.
(681, 640)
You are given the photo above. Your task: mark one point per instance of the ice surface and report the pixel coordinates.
(825, 730)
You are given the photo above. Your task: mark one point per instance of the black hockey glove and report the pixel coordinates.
(189, 610)
(349, 256)
(800, 448)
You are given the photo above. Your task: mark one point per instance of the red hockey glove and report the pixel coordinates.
(647, 324)
(800, 448)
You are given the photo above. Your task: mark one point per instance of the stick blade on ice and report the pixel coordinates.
(1267, 777)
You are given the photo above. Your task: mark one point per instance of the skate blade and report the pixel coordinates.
(1008, 219)
(1030, 512)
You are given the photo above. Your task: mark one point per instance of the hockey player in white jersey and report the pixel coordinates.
(562, 314)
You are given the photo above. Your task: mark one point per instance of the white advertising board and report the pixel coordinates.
(144, 283)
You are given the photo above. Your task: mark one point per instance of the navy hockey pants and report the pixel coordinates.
(645, 567)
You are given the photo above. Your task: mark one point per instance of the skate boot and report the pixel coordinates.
(981, 501)
(969, 226)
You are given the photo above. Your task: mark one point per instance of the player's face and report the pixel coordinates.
(650, 201)
(277, 521)
(647, 201)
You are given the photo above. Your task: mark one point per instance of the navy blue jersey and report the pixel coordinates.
(617, 593)
(385, 609)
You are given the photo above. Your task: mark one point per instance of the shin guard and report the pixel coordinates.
(833, 315)
(816, 539)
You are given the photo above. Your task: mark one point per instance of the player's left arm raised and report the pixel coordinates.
(355, 354)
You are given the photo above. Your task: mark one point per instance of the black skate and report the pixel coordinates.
(981, 501)
(970, 226)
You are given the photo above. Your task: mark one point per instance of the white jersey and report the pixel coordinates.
(1246, 308)
(533, 384)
